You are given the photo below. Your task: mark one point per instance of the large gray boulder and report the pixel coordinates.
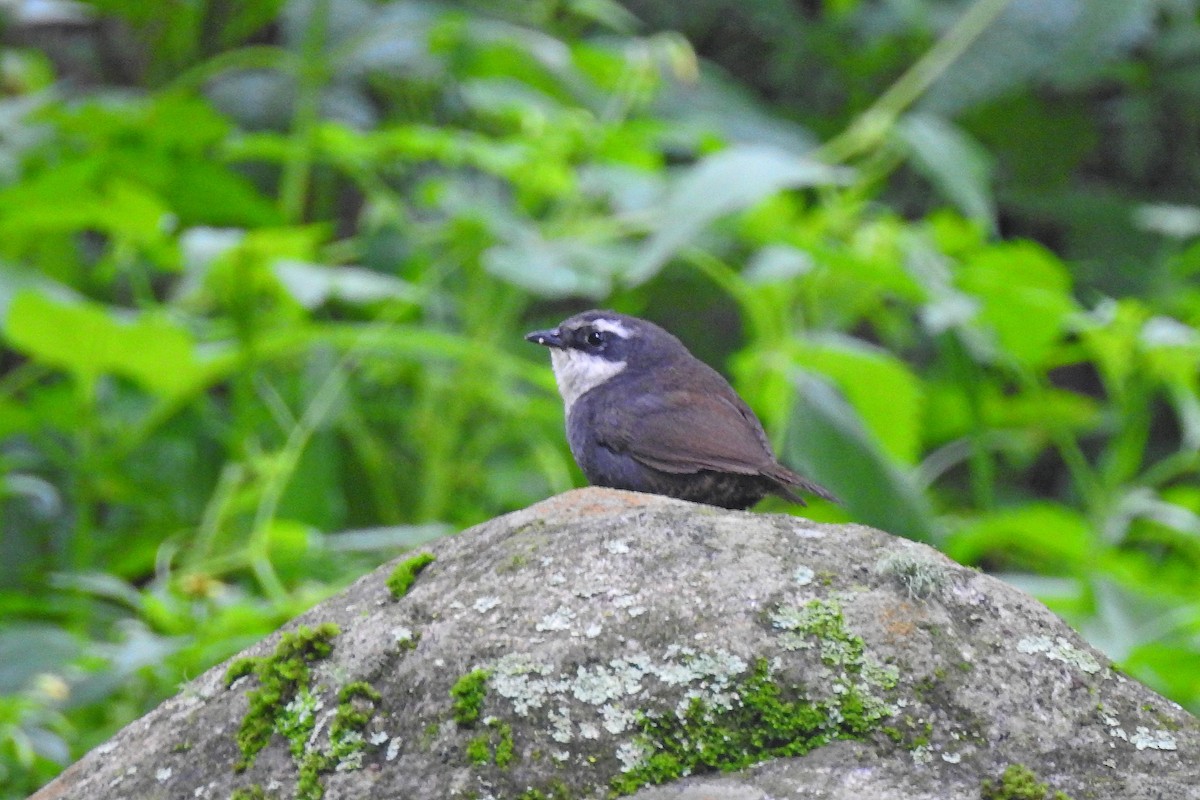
(604, 643)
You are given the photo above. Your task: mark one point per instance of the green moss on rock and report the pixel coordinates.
(769, 718)
(468, 693)
(402, 577)
(556, 791)
(282, 676)
(251, 792)
(495, 746)
(770, 721)
(1019, 782)
(286, 703)
(505, 750)
(356, 706)
(479, 751)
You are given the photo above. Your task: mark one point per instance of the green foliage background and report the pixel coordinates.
(265, 267)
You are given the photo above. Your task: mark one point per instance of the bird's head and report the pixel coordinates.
(591, 348)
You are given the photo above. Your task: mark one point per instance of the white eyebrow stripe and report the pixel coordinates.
(612, 326)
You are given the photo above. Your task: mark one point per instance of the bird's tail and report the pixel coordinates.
(785, 480)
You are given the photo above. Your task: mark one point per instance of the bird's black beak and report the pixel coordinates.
(551, 338)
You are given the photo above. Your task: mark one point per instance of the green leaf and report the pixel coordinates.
(311, 285)
(1172, 349)
(16, 280)
(827, 441)
(610, 14)
(27, 649)
(290, 544)
(949, 411)
(207, 192)
(68, 200)
(554, 268)
(956, 164)
(778, 263)
(1043, 537)
(1111, 334)
(1025, 298)
(1063, 42)
(1174, 667)
(727, 181)
(884, 392)
(90, 340)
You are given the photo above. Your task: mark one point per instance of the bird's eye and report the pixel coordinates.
(596, 338)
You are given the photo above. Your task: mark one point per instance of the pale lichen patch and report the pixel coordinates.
(485, 604)
(558, 620)
(632, 754)
(617, 720)
(1143, 738)
(1059, 649)
(522, 680)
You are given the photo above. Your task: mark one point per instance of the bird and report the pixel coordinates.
(644, 414)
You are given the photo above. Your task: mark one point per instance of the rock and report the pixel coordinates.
(604, 643)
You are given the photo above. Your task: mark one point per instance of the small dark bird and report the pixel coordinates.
(644, 414)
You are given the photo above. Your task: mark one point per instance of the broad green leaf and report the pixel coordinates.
(1025, 298)
(1172, 348)
(949, 410)
(884, 392)
(173, 123)
(727, 181)
(952, 161)
(15, 280)
(1036, 536)
(390, 537)
(1101, 31)
(1121, 619)
(554, 268)
(718, 107)
(68, 200)
(311, 285)
(827, 441)
(1173, 666)
(291, 544)
(611, 15)
(777, 263)
(1068, 41)
(1048, 410)
(1172, 354)
(90, 340)
(27, 649)
(210, 193)
(1110, 333)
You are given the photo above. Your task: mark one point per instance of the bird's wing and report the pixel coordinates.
(684, 432)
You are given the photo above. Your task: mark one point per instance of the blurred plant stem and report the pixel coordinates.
(81, 547)
(872, 126)
(311, 76)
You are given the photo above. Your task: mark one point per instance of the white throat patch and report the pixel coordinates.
(577, 372)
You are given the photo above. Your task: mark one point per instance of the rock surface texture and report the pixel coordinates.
(605, 643)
